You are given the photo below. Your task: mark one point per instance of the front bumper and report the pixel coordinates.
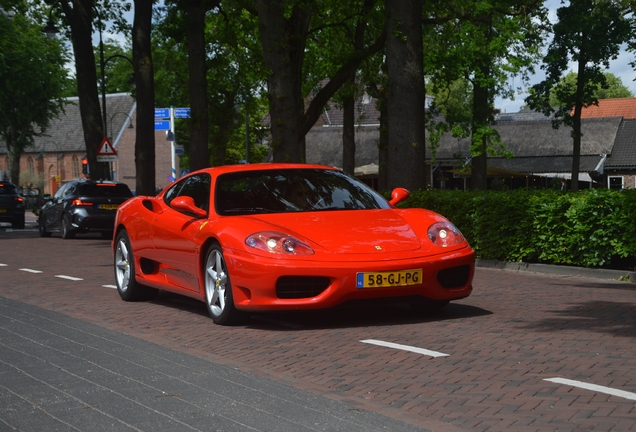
(254, 279)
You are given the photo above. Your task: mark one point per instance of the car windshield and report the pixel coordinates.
(292, 190)
(104, 190)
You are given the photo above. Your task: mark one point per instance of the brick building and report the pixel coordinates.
(57, 157)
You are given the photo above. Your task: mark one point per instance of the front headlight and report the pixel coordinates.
(445, 234)
(278, 243)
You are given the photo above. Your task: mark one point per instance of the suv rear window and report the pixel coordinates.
(104, 190)
(8, 189)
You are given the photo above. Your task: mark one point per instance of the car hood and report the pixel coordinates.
(357, 231)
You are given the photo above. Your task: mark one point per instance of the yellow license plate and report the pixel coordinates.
(389, 279)
(3, 210)
(108, 206)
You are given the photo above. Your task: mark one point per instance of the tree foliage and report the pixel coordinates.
(590, 34)
(32, 79)
(483, 44)
(234, 77)
(614, 88)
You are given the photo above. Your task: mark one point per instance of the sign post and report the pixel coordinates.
(168, 125)
(106, 152)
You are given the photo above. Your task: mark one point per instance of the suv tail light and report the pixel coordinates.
(80, 203)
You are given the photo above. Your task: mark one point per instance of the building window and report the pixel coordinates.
(30, 167)
(76, 167)
(615, 182)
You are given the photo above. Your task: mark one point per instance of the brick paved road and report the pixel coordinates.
(502, 343)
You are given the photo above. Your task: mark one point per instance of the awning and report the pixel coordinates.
(582, 176)
(365, 170)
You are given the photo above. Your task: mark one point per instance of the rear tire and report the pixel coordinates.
(127, 286)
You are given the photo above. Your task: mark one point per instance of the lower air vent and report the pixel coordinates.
(454, 277)
(297, 287)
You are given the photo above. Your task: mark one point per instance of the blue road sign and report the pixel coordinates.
(182, 112)
(162, 124)
(162, 113)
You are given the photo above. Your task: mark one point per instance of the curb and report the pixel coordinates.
(622, 275)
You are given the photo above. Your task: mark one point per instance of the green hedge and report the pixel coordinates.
(591, 228)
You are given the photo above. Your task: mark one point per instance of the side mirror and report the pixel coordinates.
(186, 204)
(398, 195)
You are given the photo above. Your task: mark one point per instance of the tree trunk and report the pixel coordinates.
(406, 97)
(79, 17)
(283, 49)
(15, 167)
(198, 89)
(482, 119)
(383, 147)
(348, 135)
(144, 80)
(576, 124)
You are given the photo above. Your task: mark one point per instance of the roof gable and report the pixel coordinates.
(624, 152)
(539, 138)
(66, 134)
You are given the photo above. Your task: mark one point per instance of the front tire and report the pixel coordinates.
(42, 227)
(127, 286)
(218, 288)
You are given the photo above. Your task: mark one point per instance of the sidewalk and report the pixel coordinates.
(624, 275)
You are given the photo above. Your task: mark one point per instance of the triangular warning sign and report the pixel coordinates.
(106, 148)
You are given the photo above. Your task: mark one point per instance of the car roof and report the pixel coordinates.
(86, 181)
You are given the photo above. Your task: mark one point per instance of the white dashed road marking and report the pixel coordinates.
(68, 277)
(110, 286)
(593, 387)
(405, 348)
(30, 270)
(3, 265)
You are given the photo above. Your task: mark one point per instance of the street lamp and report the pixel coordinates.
(130, 125)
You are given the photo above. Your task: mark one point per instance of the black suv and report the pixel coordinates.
(83, 206)
(11, 205)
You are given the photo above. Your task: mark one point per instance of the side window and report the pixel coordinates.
(70, 190)
(60, 192)
(197, 187)
(173, 192)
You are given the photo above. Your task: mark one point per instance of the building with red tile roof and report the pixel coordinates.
(621, 107)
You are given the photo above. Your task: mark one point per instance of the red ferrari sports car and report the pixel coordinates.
(285, 237)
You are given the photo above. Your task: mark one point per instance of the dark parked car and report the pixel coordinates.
(83, 206)
(11, 205)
